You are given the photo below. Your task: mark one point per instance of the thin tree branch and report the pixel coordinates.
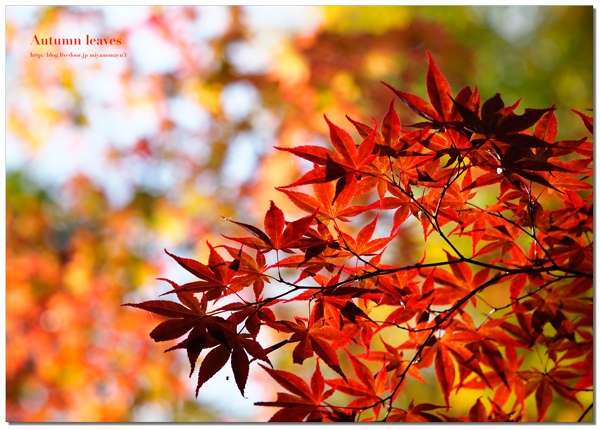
(585, 413)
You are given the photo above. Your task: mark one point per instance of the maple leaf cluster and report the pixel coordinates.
(535, 241)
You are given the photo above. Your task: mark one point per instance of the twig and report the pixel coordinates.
(585, 412)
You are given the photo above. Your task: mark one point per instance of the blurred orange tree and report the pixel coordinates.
(109, 162)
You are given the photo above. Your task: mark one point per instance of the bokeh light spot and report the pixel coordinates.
(50, 321)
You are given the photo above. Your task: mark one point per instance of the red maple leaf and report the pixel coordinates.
(368, 388)
(304, 400)
(276, 235)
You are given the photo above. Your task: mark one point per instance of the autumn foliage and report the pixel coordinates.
(469, 171)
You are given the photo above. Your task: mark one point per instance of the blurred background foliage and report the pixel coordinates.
(111, 160)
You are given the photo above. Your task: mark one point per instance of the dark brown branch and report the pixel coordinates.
(585, 413)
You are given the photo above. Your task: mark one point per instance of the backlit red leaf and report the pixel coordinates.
(390, 127)
(416, 104)
(587, 121)
(444, 369)
(546, 128)
(438, 90)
